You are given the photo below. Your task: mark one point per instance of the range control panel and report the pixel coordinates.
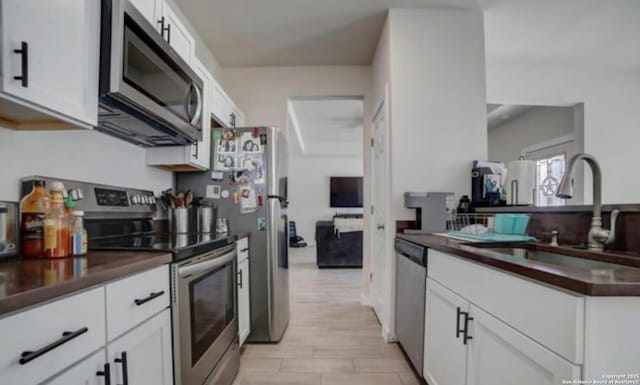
(103, 201)
(109, 197)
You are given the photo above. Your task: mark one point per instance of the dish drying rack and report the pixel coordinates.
(472, 223)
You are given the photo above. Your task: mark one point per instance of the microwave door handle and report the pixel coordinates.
(198, 111)
(187, 102)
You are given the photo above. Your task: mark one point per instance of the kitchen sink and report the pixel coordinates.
(557, 259)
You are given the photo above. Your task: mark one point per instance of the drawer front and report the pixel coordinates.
(242, 247)
(40, 331)
(135, 299)
(551, 317)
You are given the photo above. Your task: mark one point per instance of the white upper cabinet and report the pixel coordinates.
(194, 157)
(176, 34)
(226, 112)
(151, 9)
(222, 106)
(50, 62)
(169, 26)
(238, 119)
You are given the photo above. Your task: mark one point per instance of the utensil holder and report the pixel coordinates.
(179, 220)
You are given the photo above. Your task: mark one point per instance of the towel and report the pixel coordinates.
(347, 225)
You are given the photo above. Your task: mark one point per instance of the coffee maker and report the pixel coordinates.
(431, 211)
(487, 184)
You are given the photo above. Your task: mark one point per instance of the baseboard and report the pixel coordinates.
(388, 336)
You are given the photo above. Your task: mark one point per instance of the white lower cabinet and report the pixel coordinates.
(91, 371)
(445, 355)
(466, 345)
(143, 355)
(498, 354)
(244, 297)
(244, 306)
(66, 342)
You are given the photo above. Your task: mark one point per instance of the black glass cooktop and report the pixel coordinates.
(180, 245)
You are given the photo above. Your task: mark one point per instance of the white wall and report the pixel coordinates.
(537, 125)
(433, 61)
(82, 155)
(611, 114)
(438, 105)
(309, 189)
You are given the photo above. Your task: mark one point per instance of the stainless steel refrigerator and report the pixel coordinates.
(248, 184)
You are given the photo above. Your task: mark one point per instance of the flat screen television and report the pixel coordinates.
(346, 191)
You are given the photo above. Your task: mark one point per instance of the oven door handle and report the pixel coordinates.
(206, 265)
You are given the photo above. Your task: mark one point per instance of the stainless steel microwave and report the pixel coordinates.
(148, 94)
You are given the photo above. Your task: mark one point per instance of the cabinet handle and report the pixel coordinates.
(240, 279)
(151, 296)
(232, 120)
(245, 249)
(106, 372)
(466, 336)
(125, 371)
(161, 22)
(24, 52)
(195, 150)
(459, 312)
(28, 356)
(168, 29)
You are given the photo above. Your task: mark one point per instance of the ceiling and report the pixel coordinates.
(295, 32)
(499, 114)
(327, 126)
(602, 33)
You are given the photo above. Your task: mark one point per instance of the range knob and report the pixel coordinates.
(143, 199)
(135, 199)
(152, 200)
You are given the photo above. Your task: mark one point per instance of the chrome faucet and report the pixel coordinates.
(598, 236)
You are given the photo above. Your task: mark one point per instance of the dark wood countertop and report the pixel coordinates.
(240, 235)
(27, 282)
(607, 208)
(624, 281)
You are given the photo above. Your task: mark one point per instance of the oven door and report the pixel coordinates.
(206, 313)
(145, 72)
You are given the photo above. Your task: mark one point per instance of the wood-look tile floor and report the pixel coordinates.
(331, 338)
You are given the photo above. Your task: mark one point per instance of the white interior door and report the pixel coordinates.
(379, 194)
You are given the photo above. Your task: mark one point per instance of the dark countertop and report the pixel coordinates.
(620, 282)
(626, 207)
(240, 235)
(26, 282)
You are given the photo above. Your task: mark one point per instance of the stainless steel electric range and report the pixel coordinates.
(203, 276)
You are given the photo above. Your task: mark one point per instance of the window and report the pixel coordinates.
(549, 172)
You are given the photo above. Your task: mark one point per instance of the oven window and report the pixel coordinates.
(212, 308)
(148, 69)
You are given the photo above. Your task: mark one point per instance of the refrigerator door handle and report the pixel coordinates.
(283, 200)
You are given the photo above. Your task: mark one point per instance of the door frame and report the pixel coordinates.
(387, 323)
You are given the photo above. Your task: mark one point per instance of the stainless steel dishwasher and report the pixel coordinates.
(411, 277)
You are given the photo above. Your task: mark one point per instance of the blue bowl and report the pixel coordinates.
(515, 224)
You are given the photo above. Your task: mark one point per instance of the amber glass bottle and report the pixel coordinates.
(33, 207)
(56, 225)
